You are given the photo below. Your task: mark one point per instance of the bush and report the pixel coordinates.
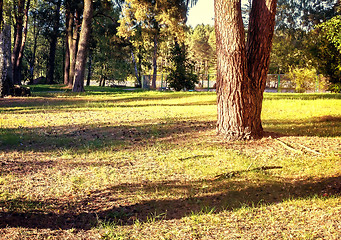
(336, 87)
(304, 78)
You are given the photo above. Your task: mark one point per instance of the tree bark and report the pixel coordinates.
(53, 46)
(241, 68)
(258, 51)
(73, 41)
(69, 21)
(78, 84)
(6, 79)
(18, 36)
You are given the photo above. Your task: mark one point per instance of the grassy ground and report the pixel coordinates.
(112, 164)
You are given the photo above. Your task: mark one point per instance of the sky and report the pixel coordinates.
(202, 12)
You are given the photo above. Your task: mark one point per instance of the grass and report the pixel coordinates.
(115, 164)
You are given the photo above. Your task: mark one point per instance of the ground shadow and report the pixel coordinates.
(222, 195)
(324, 126)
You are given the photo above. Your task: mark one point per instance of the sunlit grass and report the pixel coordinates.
(148, 165)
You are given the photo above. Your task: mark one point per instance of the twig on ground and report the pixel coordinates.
(309, 149)
(287, 146)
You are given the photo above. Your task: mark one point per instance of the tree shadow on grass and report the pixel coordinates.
(88, 137)
(55, 104)
(111, 205)
(324, 126)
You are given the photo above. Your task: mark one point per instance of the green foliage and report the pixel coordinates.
(326, 56)
(304, 78)
(181, 75)
(111, 57)
(331, 30)
(336, 87)
(202, 48)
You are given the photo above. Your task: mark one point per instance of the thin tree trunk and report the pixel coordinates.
(53, 46)
(89, 69)
(33, 56)
(135, 67)
(239, 86)
(78, 84)
(23, 40)
(68, 38)
(155, 61)
(17, 41)
(73, 43)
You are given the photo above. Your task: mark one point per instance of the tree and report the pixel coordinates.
(326, 48)
(73, 21)
(6, 77)
(110, 53)
(153, 21)
(181, 75)
(202, 48)
(53, 38)
(242, 67)
(20, 35)
(78, 83)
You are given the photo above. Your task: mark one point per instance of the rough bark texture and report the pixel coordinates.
(241, 68)
(78, 84)
(259, 42)
(18, 36)
(6, 81)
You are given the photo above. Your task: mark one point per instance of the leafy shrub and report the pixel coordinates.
(305, 79)
(336, 87)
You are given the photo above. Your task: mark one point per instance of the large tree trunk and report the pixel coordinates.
(241, 69)
(259, 42)
(6, 81)
(53, 46)
(78, 84)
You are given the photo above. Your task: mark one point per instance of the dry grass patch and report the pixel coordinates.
(148, 165)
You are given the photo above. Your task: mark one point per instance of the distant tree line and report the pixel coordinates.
(71, 42)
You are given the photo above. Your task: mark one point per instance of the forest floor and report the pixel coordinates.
(109, 164)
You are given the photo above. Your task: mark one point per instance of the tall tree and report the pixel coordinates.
(73, 23)
(53, 38)
(20, 35)
(153, 20)
(6, 80)
(78, 83)
(242, 67)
